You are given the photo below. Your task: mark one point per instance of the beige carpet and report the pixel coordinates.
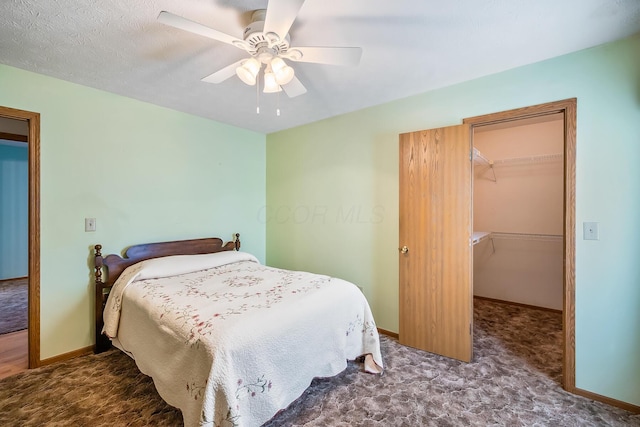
(13, 305)
(513, 381)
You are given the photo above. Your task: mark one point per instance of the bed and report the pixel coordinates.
(227, 340)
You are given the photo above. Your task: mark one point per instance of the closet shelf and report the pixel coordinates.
(479, 236)
(545, 158)
(481, 160)
(478, 157)
(486, 164)
(527, 236)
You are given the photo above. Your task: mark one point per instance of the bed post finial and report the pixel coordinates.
(237, 241)
(98, 263)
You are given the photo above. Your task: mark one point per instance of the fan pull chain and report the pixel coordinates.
(278, 104)
(258, 94)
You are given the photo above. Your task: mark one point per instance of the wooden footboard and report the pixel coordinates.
(115, 265)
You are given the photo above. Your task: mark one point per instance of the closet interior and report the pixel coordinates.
(518, 196)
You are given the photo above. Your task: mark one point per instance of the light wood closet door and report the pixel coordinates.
(436, 293)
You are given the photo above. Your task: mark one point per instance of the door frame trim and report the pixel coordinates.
(33, 323)
(568, 107)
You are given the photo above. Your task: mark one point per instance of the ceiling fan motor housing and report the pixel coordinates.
(263, 46)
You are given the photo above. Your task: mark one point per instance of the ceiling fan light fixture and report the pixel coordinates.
(270, 83)
(248, 71)
(283, 73)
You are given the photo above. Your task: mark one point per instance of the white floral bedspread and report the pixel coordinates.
(231, 342)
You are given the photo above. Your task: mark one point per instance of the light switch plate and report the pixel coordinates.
(89, 224)
(590, 230)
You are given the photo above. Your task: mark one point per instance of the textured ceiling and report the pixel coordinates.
(409, 47)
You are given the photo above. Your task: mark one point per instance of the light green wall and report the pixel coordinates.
(145, 173)
(349, 164)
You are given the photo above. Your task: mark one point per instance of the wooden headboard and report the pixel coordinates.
(115, 265)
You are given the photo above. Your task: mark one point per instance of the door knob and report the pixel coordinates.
(403, 249)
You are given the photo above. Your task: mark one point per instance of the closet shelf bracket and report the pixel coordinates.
(480, 159)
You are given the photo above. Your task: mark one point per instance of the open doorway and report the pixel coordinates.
(20, 136)
(566, 111)
(14, 250)
(518, 246)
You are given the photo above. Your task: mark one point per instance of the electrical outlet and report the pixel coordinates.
(590, 231)
(89, 224)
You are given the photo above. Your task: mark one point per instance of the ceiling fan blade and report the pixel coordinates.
(280, 16)
(294, 88)
(327, 55)
(176, 21)
(223, 74)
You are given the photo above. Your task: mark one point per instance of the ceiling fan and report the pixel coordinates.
(267, 40)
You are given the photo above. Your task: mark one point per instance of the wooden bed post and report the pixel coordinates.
(103, 343)
(236, 241)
